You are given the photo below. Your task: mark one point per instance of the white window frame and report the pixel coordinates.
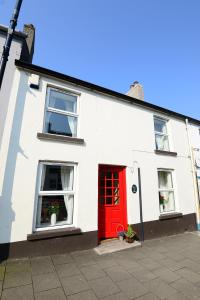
(58, 111)
(50, 193)
(162, 134)
(173, 189)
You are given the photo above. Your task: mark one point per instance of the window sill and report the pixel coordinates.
(170, 216)
(54, 233)
(169, 153)
(59, 138)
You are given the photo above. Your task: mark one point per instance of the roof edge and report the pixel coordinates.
(18, 34)
(103, 90)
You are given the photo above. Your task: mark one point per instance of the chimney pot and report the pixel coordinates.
(136, 91)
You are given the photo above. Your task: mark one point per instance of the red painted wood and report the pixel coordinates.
(112, 210)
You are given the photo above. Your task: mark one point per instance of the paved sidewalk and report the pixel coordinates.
(166, 268)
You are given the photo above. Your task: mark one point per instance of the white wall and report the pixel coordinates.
(115, 133)
(15, 52)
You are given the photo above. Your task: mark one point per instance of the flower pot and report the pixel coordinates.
(53, 219)
(121, 238)
(129, 239)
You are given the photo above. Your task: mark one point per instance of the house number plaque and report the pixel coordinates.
(134, 188)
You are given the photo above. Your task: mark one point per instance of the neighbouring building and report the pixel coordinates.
(194, 141)
(22, 48)
(70, 155)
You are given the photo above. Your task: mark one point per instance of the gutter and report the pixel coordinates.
(50, 73)
(17, 34)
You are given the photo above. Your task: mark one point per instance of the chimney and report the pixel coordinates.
(28, 46)
(136, 91)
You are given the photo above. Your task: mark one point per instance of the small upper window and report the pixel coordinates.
(161, 135)
(61, 113)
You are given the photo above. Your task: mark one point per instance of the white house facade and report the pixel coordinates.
(71, 154)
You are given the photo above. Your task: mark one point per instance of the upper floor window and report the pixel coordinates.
(161, 134)
(61, 113)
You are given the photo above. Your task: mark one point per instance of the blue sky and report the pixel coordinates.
(113, 43)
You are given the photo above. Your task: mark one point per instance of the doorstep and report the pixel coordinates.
(114, 245)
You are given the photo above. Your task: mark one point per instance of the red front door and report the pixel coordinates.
(112, 211)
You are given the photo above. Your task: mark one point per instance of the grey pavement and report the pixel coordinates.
(165, 268)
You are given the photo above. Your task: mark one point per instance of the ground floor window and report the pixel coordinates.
(55, 201)
(166, 191)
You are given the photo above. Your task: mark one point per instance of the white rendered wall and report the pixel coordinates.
(15, 52)
(115, 133)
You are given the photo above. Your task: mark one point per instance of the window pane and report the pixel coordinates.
(62, 101)
(109, 192)
(165, 180)
(57, 178)
(162, 142)
(109, 175)
(160, 125)
(167, 203)
(109, 183)
(60, 124)
(116, 175)
(55, 210)
(109, 200)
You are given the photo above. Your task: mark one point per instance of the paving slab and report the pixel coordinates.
(88, 295)
(92, 272)
(1, 284)
(62, 259)
(188, 275)
(18, 293)
(103, 287)
(178, 296)
(118, 273)
(67, 270)
(166, 275)
(18, 266)
(53, 294)
(119, 296)
(144, 275)
(107, 261)
(148, 296)
(160, 289)
(15, 279)
(190, 264)
(84, 260)
(187, 288)
(45, 282)
(132, 288)
(150, 264)
(2, 272)
(41, 265)
(74, 284)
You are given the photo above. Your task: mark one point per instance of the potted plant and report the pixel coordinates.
(121, 235)
(130, 234)
(162, 203)
(120, 232)
(53, 211)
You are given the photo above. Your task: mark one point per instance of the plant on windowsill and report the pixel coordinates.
(162, 203)
(130, 234)
(53, 212)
